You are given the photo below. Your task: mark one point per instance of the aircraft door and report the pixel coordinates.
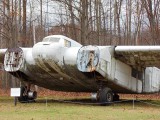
(88, 58)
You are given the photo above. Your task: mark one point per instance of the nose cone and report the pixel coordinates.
(46, 57)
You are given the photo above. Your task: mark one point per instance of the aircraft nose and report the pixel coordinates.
(46, 51)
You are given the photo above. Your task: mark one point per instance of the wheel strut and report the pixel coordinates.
(105, 95)
(26, 94)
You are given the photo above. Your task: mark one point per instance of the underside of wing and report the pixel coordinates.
(139, 56)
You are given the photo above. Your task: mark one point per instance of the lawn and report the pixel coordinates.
(56, 110)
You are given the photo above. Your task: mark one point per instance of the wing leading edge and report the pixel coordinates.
(142, 56)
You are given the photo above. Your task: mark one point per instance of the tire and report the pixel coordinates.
(23, 98)
(105, 95)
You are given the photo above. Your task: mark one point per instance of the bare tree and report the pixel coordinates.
(152, 15)
(24, 31)
(138, 22)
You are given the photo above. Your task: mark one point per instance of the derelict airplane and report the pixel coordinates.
(62, 64)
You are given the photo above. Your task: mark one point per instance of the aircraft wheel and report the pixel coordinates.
(23, 97)
(105, 95)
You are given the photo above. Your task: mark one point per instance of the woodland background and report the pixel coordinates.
(97, 22)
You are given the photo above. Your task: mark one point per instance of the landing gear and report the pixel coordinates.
(27, 95)
(115, 97)
(23, 95)
(105, 95)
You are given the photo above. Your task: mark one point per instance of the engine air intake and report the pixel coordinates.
(13, 59)
(88, 58)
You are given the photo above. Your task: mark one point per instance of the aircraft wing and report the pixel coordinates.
(142, 56)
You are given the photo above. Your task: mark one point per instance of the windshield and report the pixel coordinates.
(51, 39)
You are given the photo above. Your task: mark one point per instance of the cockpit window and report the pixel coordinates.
(45, 39)
(51, 39)
(67, 43)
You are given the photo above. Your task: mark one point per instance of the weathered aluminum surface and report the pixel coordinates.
(152, 80)
(60, 64)
(123, 77)
(54, 65)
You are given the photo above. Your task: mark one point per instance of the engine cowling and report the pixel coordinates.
(13, 59)
(88, 58)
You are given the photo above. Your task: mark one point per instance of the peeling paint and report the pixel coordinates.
(88, 58)
(13, 59)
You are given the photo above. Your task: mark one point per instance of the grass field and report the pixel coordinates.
(55, 110)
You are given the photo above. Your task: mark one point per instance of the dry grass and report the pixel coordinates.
(55, 110)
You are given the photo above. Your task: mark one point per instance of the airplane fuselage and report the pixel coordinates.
(59, 63)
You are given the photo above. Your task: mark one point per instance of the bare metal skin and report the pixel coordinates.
(60, 63)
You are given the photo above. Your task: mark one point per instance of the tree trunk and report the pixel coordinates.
(84, 21)
(24, 24)
(72, 23)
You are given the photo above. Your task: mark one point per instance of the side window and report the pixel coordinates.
(67, 43)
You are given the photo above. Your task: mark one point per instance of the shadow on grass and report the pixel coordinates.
(85, 102)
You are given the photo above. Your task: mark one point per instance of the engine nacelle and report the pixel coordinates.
(13, 59)
(88, 58)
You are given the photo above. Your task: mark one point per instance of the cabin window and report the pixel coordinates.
(67, 43)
